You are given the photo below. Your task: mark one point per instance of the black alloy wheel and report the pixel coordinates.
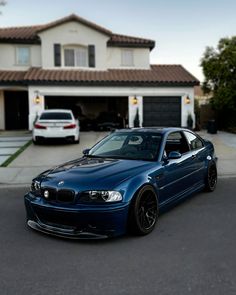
(144, 212)
(211, 177)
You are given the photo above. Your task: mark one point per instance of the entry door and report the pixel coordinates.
(16, 110)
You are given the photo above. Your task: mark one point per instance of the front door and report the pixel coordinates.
(16, 110)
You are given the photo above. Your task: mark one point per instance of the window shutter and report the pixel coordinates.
(91, 56)
(57, 55)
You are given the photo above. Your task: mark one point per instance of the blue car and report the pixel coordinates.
(121, 184)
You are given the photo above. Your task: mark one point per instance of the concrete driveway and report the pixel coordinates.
(36, 159)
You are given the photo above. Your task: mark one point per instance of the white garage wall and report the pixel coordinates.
(139, 92)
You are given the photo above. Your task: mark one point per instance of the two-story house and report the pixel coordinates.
(73, 63)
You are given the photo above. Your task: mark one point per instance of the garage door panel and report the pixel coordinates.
(162, 111)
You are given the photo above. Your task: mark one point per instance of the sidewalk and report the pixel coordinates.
(36, 159)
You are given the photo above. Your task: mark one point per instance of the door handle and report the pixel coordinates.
(194, 156)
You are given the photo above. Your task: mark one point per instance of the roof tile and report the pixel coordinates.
(157, 74)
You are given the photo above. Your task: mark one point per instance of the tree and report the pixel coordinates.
(2, 3)
(219, 68)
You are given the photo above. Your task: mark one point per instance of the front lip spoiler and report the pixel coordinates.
(64, 233)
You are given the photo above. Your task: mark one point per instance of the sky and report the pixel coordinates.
(181, 28)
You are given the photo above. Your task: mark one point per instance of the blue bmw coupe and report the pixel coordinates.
(121, 183)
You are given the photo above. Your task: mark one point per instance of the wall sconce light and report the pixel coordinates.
(134, 100)
(187, 100)
(37, 99)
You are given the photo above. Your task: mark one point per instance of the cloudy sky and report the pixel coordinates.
(181, 28)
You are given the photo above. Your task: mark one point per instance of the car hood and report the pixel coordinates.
(94, 173)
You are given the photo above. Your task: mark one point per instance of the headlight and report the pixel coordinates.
(100, 196)
(35, 186)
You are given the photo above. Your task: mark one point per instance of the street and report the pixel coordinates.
(191, 251)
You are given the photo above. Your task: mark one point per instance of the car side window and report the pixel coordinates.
(193, 141)
(176, 142)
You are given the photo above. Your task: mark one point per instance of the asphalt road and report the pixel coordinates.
(191, 251)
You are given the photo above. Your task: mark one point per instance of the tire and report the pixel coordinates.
(76, 141)
(144, 212)
(35, 142)
(211, 178)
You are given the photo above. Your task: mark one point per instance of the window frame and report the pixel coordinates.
(76, 49)
(17, 55)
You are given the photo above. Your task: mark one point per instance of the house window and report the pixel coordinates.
(22, 56)
(127, 57)
(76, 57)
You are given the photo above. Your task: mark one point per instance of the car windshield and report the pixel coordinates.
(55, 116)
(132, 146)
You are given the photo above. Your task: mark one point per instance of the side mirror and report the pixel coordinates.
(86, 152)
(174, 155)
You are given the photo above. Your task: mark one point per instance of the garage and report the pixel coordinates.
(162, 111)
(94, 113)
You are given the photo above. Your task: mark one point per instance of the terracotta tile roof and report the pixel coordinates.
(158, 75)
(123, 40)
(12, 76)
(20, 34)
(29, 34)
(75, 18)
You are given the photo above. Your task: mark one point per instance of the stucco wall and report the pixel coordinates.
(8, 57)
(141, 58)
(2, 112)
(139, 92)
(69, 34)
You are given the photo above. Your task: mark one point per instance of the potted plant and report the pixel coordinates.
(136, 119)
(190, 121)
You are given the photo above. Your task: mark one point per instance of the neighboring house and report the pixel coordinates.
(73, 63)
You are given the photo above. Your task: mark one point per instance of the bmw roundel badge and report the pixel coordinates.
(60, 183)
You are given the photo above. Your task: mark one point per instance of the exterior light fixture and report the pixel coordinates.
(134, 100)
(187, 100)
(37, 98)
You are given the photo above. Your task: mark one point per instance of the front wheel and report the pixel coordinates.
(143, 212)
(211, 179)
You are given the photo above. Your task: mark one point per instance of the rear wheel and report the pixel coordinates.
(143, 212)
(76, 141)
(211, 179)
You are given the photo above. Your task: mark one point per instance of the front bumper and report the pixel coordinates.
(76, 222)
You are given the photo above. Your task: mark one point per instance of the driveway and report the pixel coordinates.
(36, 159)
(11, 142)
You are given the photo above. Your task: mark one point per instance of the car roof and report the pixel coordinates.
(57, 110)
(161, 130)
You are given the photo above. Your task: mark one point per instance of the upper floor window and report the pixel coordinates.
(22, 56)
(76, 56)
(127, 57)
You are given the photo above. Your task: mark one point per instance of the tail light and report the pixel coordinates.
(71, 126)
(38, 126)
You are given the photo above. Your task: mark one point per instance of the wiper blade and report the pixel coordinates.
(94, 156)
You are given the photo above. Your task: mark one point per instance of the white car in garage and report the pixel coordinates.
(56, 124)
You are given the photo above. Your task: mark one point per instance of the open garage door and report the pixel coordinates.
(94, 113)
(162, 111)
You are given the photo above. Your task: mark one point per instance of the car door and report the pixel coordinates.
(198, 155)
(177, 173)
